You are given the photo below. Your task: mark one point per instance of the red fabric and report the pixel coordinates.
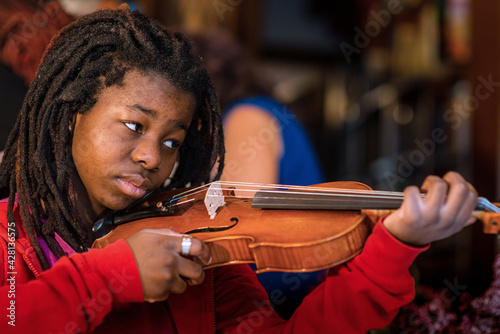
(100, 291)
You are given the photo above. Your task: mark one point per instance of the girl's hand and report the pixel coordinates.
(445, 210)
(162, 268)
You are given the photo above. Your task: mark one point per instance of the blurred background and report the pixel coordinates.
(389, 91)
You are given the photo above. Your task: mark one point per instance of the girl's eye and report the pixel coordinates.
(136, 127)
(172, 144)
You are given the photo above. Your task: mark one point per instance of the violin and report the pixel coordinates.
(276, 227)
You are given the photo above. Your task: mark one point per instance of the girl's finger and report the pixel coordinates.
(189, 246)
(436, 191)
(461, 200)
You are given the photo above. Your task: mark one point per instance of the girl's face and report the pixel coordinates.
(127, 144)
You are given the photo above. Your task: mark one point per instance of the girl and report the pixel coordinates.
(116, 102)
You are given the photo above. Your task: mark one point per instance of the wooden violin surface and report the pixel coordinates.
(286, 240)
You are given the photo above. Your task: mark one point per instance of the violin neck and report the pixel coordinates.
(340, 200)
(312, 201)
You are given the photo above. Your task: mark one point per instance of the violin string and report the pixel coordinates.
(244, 190)
(327, 192)
(313, 197)
(251, 189)
(288, 189)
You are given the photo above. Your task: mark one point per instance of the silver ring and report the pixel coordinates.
(186, 245)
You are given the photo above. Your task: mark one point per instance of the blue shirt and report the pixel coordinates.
(299, 164)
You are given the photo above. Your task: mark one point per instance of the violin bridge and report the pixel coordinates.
(214, 199)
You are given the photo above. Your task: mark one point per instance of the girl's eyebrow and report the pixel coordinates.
(154, 115)
(147, 111)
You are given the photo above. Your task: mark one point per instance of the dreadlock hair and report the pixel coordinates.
(86, 56)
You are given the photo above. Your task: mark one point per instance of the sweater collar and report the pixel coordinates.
(49, 255)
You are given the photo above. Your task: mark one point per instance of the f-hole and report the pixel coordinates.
(214, 229)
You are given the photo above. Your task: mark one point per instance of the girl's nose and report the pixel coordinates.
(148, 154)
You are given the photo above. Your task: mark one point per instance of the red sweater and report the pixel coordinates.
(100, 292)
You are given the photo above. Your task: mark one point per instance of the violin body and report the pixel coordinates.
(275, 240)
(287, 240)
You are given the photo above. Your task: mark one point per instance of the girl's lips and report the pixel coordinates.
(131, 189)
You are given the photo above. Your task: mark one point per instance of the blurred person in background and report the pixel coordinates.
(26, 28)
